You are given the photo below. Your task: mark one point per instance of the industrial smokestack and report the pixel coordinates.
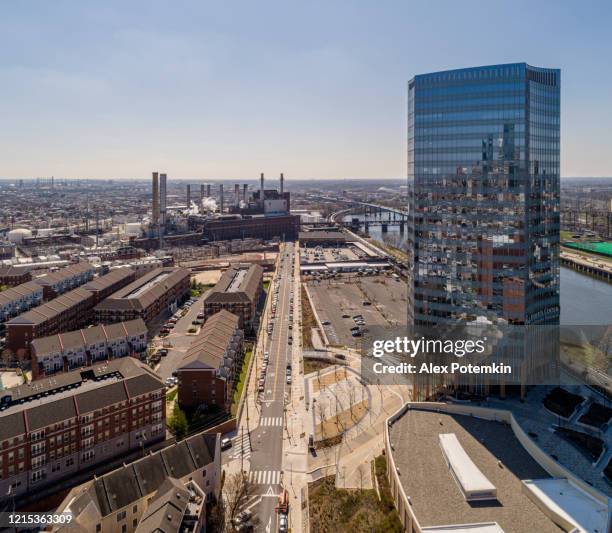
(282, 183)
(163, 195)
(261, 189)
(155, 206)
(208, 190)
(244, 193)
(221, 198)
(188, 196)
(237, 195)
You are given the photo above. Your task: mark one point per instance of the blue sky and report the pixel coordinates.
(229, 89)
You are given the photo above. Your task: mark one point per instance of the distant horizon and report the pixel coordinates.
(288, 179)
(316, 89)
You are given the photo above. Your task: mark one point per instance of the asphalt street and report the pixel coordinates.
(267, 440)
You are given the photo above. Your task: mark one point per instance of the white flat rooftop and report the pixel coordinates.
(571, 503)
(472, 482)
(485, 527)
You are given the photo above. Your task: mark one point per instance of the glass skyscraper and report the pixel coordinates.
(483, 176)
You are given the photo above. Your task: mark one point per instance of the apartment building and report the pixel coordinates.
(164, 491)
(208, 371)
(238, 291)
(19, 299)
(67, 312)
(102, 287)
(57, 283)
(11, 276)
(70, 311)
(66, 351)
(55, 427)
(148, 297)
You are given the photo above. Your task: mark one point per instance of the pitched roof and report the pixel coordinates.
(148, 475)
(108, 280)
(57, 398)
(237, 284)
(87, 337)
(8, 296)
(65, 273)
(49, 310)
(145, 290)
(166, 510)
(212, 342)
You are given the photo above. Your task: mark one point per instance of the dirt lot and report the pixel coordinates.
(345, 296)
(208, 277)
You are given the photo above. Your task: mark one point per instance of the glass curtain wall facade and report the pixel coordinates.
(483, 176)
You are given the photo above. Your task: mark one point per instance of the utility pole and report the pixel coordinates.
(242, 452)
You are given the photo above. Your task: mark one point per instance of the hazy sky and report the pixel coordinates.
(232, 88)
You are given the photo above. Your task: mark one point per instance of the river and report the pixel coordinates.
(584, 300)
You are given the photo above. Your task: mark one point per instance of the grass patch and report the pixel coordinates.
(312, 365)
(171, 396)
(197, 288)
(341, 422)
(358, 511)
(321, 382)
(266, 285)
(248, 353)
(308, 320)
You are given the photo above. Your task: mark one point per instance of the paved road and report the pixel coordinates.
(267, 440)
(180, 341)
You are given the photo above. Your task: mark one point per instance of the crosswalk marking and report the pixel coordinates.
(241, 447)
(265, 477)
(271, 421)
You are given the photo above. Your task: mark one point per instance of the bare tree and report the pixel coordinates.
(321, 411)
(352, 397)
(361, 474)
(236, 492)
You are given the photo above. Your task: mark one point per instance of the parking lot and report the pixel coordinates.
(177, 342)
(379, 299)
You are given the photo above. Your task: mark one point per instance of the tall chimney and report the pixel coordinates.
(188, 196)
(208, 190)
(155, 206)
(261, 189)
(282, 183)
(163, 196)
(244, 193)
(221, 198)
(237, 195)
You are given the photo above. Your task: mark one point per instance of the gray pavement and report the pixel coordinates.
(265, 453)
(179, 340)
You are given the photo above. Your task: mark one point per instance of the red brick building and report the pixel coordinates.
(55, 427)
(238, 291)
(208, 371)
(148, 297)
(67, 312)
(11, 276)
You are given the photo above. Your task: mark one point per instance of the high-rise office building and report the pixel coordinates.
(483, 175)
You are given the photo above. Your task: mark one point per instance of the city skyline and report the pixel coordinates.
(227, 91)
